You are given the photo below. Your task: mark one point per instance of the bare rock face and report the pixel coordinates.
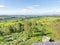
(46, 39)
(47, 43)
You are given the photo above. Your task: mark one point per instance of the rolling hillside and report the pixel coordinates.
(21, 31)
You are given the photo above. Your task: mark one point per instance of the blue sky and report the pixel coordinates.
(29, 7)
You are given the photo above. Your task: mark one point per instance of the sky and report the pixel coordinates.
(29, 7)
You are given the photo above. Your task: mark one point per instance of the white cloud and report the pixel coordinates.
(36, 5)
(31, 10)
(2, 6)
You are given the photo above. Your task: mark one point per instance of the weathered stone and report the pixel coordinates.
(20, 40)
(25, 39)
(47, 43)
(46, 39)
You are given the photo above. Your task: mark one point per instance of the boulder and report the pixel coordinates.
(46, 39)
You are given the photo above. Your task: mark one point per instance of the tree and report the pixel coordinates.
(12, 30)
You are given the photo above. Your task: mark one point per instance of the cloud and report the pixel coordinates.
(31, 10)
(36, 5)
(2, 6)
(35, 9)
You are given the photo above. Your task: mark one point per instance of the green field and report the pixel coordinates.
(25, 31)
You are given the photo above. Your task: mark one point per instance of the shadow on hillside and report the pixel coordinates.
(41, 34)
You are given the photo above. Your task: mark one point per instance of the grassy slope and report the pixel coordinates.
(51, 24)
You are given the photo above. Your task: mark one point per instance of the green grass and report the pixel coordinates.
(33, 29)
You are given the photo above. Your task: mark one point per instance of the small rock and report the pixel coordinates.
(20, 41)
(25, 39)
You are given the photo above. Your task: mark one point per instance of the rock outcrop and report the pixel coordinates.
(46, 39)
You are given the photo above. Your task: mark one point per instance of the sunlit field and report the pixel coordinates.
(28, 30)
